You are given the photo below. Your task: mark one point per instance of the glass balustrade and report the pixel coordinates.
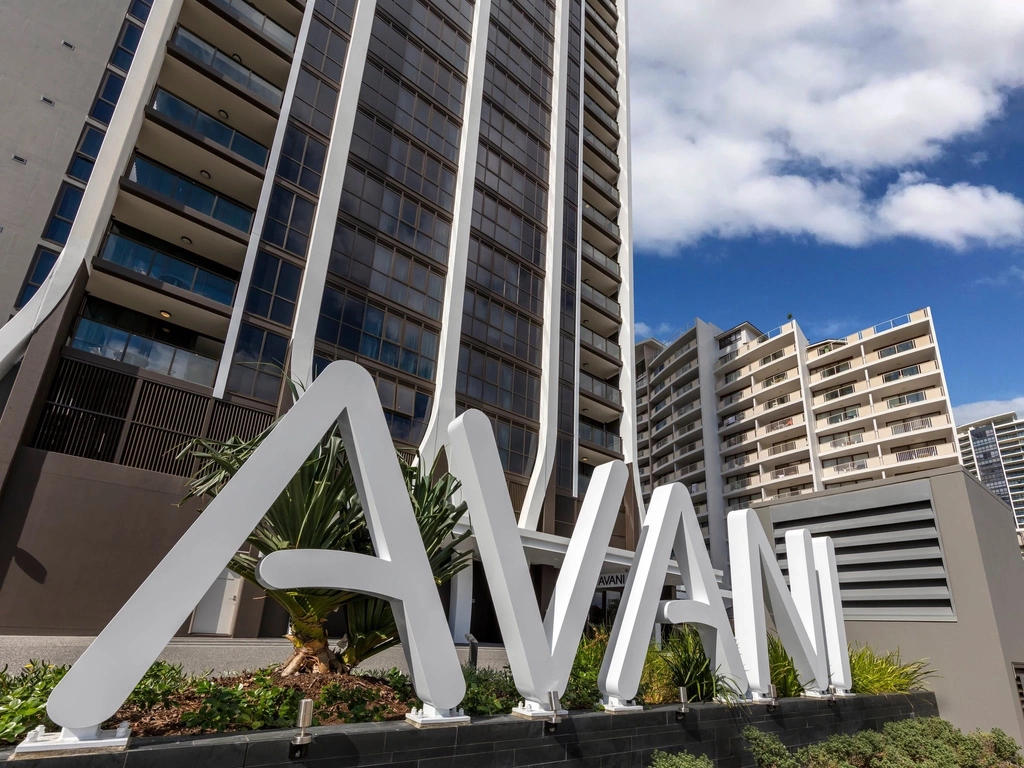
(598, 298)
(188, 193)
(590, 252)
(167, 269)
(205, 125)
(201, 50)
(258, 21)
(600, 343)
(600, 437)
(148, 354)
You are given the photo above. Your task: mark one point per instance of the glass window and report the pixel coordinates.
(302, 159)
(68, 200)
(325, 50)
(495, 326)
(258, 364)
(493, 381)
(106, 99)
(289, 220)
(349, 323)
(85, 156)
(378, 267)
(274, 288)
(504, 276)
(338, 11)
(508, 228)
(42, 263)
(127, 43)
(140, 9)
(314, 102)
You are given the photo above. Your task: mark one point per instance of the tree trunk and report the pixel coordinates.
(312, 654)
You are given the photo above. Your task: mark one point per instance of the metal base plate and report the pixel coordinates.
(62, 741)
(436, 721)
(537, 714)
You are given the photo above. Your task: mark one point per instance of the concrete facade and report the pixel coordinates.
(993, 451)
(977, 648)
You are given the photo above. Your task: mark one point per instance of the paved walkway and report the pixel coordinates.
(198, 655)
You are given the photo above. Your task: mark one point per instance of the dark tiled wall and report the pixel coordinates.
(590, 740)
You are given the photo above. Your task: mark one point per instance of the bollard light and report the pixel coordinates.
(299, 746)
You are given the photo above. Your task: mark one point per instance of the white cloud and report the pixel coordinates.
(1013, 277)
(772, 116)
(964, 414)
(661, 331)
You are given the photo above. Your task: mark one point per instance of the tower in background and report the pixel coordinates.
(993, 451)
(436, 190)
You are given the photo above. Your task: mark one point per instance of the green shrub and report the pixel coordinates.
(582, 691)
(783, 670)
(361, 704)
(222, 708)
(929, 742)
(872, 672)
(23, 698)
(489, 691)
(680, 760)
(657, 685)
(161, 683)
(688, 665)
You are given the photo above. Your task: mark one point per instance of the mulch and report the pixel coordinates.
(164, 720)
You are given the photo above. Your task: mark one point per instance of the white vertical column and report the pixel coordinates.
(810, 423)
(547, 441)
(318, 255)
(101, 191)
(261, 207)
(460, 604)
(627, 381)
(443, 412)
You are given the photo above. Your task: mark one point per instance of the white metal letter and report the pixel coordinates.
(540, 653)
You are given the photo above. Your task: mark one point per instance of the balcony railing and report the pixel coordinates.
(896, 349)
(223, 63)
(590, 252)
(598, 145)
(850, 466)
(725, 359)
(168, 269)
(733, 398)
(835, 394)
(736, 440)
(902, 373)
(600, 437)
(913, 397)
(602, 221)
(742, 461)
(738, 484)
(775, 426)
(733, 419)
(788, 494)
(602, 54)
(600, 343)
(772, 380)
(603, 85)
(601, 24)
(911, 426)
(148, 354)
(209, 127)
(842, 442)
(776, 474)
(596, 297)
(602, 116)
(258, 21)
(776, 402)
(775, 450)
(839, 418)
(600, 388)
(188, 193)
(888, 325)
(831, 347)
(918, 453)
(598, 181)
(836, 369)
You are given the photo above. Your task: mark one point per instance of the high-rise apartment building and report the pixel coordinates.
(741, 416)
(244, 190)
(993, 451)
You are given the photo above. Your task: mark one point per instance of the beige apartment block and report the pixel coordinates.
(742, 416)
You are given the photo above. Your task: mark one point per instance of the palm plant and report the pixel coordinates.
(783, 670)
(320, 509)
(682, 652)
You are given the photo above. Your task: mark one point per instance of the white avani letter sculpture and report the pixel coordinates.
(832, 614)
(540, 653)
(106, 673)
(670, 524)
(797, 614)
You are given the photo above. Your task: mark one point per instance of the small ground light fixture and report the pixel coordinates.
(773, 699)
(299, 746)
(550, 726)
(684, 703)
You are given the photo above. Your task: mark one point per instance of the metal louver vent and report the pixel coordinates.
(888, 550)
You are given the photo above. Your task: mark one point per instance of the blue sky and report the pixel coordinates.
(845, 161)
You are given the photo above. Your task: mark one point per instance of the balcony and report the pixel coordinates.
(599, 300)
(206, 126)
(606, 90)
(143, 260)
(189, 195)
(778, 450)
(596, 257)
(771, 381)
(791, 471)
(602, 438)
(257, 21)
(742, 461)
(735, 397)
(227, 68)
(736, 440)
(601, 344)
(919, 372)
(593, 178)
(918, 425)
(601, 55)
(116, 344)
(855, 465)
(845, 442)
(601, 389)
(739, 485)
(593, 17)
(932, 455)
(598, 219)
(604, 119)
(593, 142)
(734, 419)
